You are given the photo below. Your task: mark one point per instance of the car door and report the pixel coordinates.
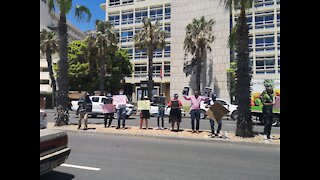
(95, 104)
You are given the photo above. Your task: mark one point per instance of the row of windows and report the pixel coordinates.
(140, 70)
(156, 13)
(262, 21)
(266, 65)
(117, 2)
(142, 54)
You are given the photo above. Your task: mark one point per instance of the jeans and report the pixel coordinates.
(212, 125)
(121, 113)
(267, 116)
(160, 114)
(195, 114)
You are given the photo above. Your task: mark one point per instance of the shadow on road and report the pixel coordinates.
(53, 175)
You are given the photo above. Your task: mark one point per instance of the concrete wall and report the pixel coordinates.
(218, 61)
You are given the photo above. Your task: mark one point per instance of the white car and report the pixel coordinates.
(233, 109)
(154, 110)
(43, 119)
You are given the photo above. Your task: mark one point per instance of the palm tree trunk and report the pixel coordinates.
(150, 72)
(102, 76)
(63, 83)
(53, 81)
(244, 123)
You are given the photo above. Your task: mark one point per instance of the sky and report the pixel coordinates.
(96, 11)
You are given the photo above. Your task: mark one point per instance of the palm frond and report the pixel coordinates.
(82, 12)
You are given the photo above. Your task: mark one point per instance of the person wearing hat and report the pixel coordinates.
(210, 102)
(144, 115)
(109, 115)
(85, 107)
(175, 112)
(268, 101)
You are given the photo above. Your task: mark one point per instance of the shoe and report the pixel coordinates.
(162, 128)
(123, 128)
(219, 135)
(158, 128)
(117, 127)
(193, 131)
(85, 128)
(197, 132)
(265, 137)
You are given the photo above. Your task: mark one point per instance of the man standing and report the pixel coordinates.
(219, 121)
(85, 106)
(121, 110)
(267, 110)
(109, 115)
(161, 107)
(195, 109)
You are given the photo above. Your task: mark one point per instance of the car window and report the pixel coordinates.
(104, 99)
(222, 102)
(95, 99)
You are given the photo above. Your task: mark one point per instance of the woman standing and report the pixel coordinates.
(144, 115)
(175, 112)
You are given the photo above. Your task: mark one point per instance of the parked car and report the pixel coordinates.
(43, 119)
(97, 102)
(54, 149)
(233, 109)
(154, 110)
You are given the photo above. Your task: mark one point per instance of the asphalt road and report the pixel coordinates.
(227, 123)
(97, 156)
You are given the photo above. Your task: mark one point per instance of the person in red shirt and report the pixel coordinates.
(175, 112)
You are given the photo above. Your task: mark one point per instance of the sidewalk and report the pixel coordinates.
(183, 134)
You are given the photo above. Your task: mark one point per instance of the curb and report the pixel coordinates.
(215, 140)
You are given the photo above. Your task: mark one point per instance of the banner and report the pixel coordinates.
(119, 100)
(144, 105)
(217, 111)
(108, 108)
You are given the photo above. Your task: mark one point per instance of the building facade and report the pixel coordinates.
(49, 21)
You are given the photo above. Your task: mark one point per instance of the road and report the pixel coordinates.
(227, 123)
(109, 157)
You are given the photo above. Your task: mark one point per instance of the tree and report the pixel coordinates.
(151, 38)
(48, 46)
(232, 81)
(197, 41)
(243, 73)
(80, 13)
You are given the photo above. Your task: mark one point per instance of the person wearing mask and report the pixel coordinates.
(175, 112)
(267, 110)
(110, 115)
(85, 107)
(210, 102)
(121, 112)
(144, 115)
(161, 108)
(195, 109)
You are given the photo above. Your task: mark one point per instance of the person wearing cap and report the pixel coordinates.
(144, 115)
(85, 107)
(195, 109)
(110, 115)
(161, 107)
(175, 112)
(210, 102)
(121, 111)
(268, 101)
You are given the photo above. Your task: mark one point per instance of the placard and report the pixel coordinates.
(108, 108)
(144, 105)
(217, 111)
(277, 103)
(119, 100)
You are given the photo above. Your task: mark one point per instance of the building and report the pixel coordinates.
(49, 21)
(264, 39)
(263, 19)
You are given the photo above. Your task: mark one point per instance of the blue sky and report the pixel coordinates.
(96, 11)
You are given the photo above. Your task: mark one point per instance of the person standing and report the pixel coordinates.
(161, 108)
(85, 106)
(195, 109)
(175, 112)
(109, 115)
(210, 102)
(144, 115)
(121, 111)
(267, 110)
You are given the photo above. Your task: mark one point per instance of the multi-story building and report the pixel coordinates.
(264, 39)
(127, 16)
(49, 21)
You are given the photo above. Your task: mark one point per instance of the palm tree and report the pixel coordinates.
(197, 41)
(151, 38)
(48, 46)
(243, 73)
(80, 12)
(105, 43)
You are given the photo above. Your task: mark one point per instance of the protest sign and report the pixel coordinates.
(108, 108)
(217, 111)
(144, 105)
(119, 100)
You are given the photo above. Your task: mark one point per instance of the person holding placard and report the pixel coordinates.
(210, 102)
(109, 110)
(175, 112)
(120, 101)
(144, 114)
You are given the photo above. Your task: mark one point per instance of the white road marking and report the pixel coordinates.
(80, 167)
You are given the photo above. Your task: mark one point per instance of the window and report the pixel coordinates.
(140, 70)
(44, 81)
(265, 65)
(118, 35)
(265, 42)
(278, 19)
(262, 3)
(156, 13)
(167, 51)
(126, 35)
(278, 63)
(127, 17)
(166, 69)
(278, 42)
(140, 54)
(168, 29)
(137, 29)
(114, 2)
(140, 14)
(157, 53)
(129, 50)
(95, 99)
(114, 19)
(156, 69)
(265, 21)
(44, 69)
(127, 1)
(167, 11)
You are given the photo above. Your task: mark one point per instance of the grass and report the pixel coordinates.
(259, 108)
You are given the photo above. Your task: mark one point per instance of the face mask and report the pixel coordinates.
(120, 92)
